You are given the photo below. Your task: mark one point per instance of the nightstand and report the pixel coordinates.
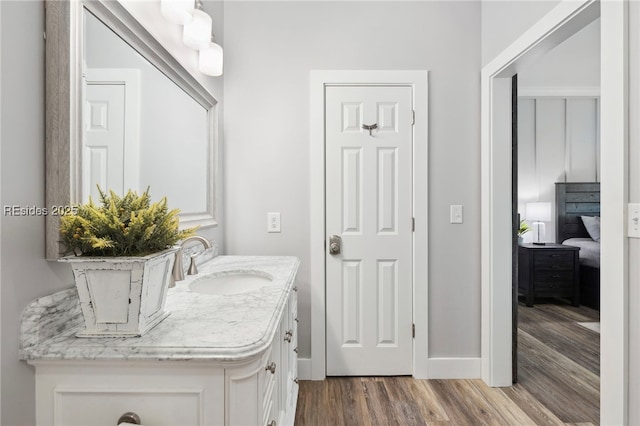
(550, 270)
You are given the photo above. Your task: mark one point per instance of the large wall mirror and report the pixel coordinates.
(123, 114)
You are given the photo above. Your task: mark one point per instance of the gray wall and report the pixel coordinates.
(504, 21)
(270, 49)
(574, 63)
(25, 274)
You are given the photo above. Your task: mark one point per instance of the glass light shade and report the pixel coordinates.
(210, 60)
(539, 211)
(197, 33)
(177, 11)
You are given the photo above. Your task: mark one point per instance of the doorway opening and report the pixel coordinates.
(556, 264)
(565, 20)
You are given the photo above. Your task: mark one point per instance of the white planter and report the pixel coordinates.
(122, 296)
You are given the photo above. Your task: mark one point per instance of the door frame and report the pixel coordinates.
(319, 80)
(559, 24)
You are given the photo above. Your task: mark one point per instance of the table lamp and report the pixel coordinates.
(538, 213)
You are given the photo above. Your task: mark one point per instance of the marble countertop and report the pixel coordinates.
(200, 327)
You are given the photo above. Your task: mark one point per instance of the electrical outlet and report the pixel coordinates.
(273, 222)
(634, 220)
(456, 213)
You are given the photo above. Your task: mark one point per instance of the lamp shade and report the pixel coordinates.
(539, 211)
(197, 32)
(177, 11)
(210, 60)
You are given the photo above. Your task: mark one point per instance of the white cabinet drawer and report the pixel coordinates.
(94, 393)
(99, 407)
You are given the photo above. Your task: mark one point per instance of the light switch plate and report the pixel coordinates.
(634, 220)
(273, 222)
(456, 213)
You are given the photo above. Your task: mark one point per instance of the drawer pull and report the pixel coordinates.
(271, 367)
(271, 423)
(129, 417)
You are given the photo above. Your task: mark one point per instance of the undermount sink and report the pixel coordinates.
(230, 283)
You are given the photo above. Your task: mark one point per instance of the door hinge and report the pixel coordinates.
(413, 224)
(413, 117)
(413, 331)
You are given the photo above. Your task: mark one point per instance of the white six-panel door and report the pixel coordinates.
(111, 130)
(369, 206)
(104, 138)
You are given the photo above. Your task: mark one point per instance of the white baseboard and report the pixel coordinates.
(304, 369)
(438, 368)
(454, 368)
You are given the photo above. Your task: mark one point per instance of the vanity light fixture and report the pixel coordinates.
(177, 11)
(210, 60)
(197, 32)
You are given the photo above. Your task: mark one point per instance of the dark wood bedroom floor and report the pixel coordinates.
(559, 384)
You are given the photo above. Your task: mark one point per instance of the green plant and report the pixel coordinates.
(121, 226)
(524, 228)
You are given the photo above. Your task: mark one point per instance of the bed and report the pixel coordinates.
(573, 200)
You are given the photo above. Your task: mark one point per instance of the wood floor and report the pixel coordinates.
(558, 384)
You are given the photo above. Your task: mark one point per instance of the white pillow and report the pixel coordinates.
(592, 224)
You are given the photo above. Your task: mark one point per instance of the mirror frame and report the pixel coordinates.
(64, 32)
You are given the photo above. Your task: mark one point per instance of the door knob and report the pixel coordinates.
(335, 244)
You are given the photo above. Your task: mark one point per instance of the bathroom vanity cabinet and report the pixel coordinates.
(239, 382)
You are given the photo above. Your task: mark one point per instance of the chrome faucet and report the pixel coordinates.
(178, 266)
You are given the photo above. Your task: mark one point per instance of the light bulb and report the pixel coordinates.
(210, 60)
(197, 33)
(177, 11)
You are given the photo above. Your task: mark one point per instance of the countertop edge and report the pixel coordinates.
(33, 349)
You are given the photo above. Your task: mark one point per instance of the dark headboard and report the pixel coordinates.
(575, 199)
